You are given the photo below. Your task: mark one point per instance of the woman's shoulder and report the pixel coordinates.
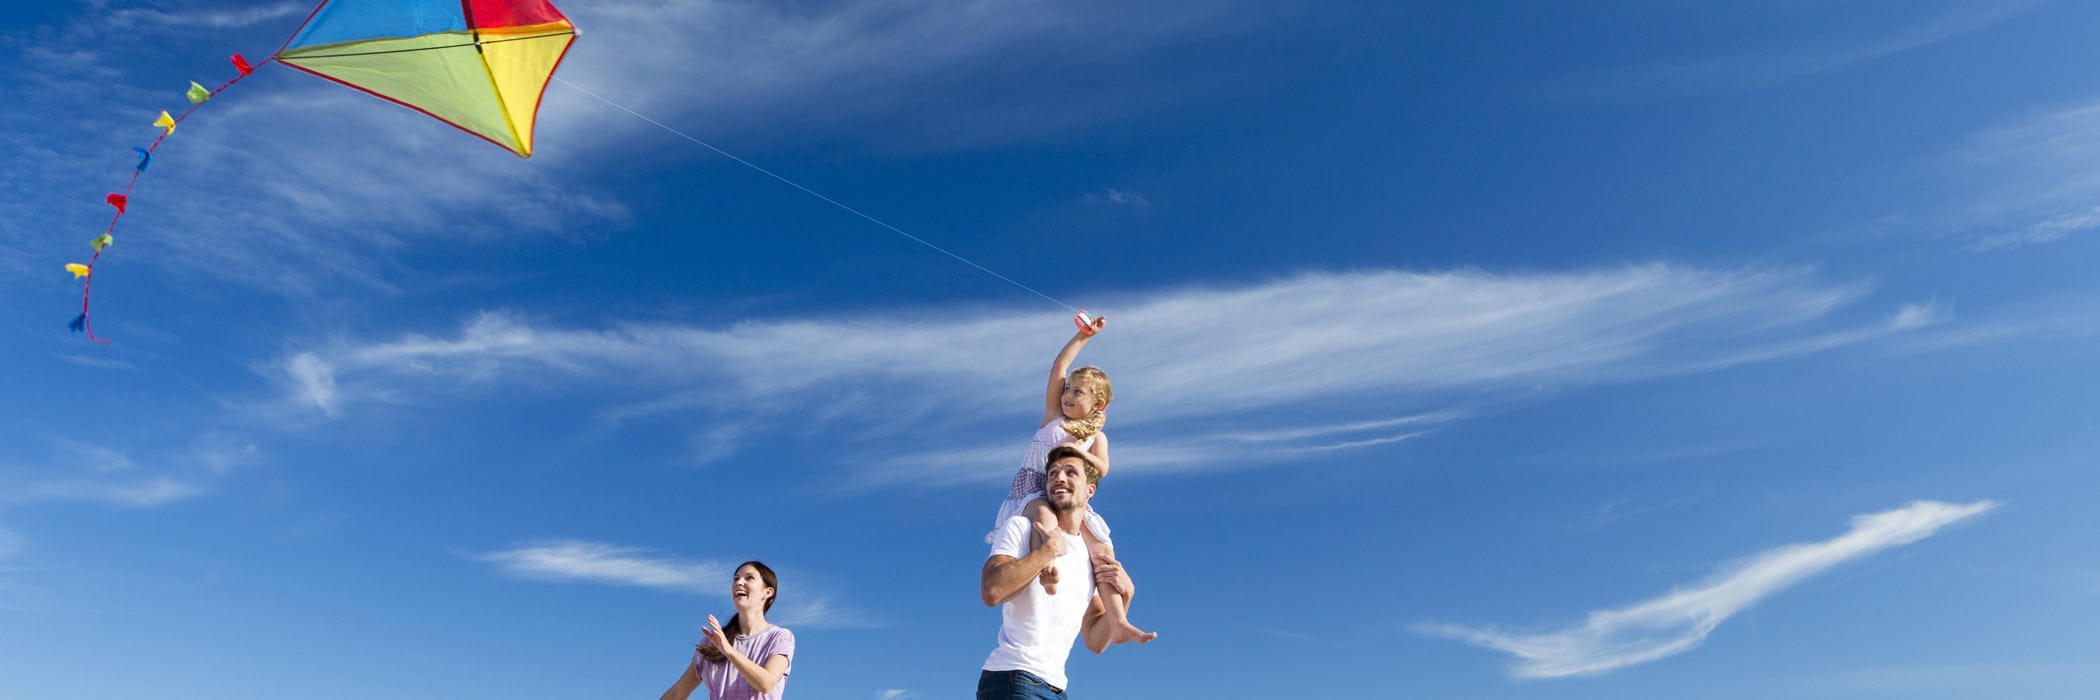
(777, 640)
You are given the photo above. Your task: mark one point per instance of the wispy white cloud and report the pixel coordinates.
(916, 74)
(2048, 231)
(819, 612)
(1302, 433)
(220, 454)
(1116, 196)
(142, 474)
(1909, 316)
(88, 456)
(1321, 336)
(808, 604)
(594, 562)
(204, 18)
(96, 362)
(1173, 452)
(311, 382)
(894, 694)
(132, 494)
(1367, 442)
(2031, 180)
(2059, 316)
(1748, 71)
(1681, 619)
(1958, 679)
(1350, 341)
(1621, 509)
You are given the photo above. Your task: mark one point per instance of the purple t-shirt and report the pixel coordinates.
(725, 683)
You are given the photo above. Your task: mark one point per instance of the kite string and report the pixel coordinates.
(813, 193)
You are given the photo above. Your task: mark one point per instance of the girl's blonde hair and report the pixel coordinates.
(1095, 381)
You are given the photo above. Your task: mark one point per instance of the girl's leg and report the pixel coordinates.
(1039, 511)
(1117, 606)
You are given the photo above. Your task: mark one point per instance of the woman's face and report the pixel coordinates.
(747, 590)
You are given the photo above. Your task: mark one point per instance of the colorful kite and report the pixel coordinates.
(479, 65)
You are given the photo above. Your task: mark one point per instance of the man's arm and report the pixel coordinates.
(1005, 575)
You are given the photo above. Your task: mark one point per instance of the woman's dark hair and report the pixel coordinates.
(735, 625)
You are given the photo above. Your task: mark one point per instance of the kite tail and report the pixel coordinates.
(80, 323)
(121, 200)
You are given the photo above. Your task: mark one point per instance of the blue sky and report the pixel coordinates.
(1620, 349)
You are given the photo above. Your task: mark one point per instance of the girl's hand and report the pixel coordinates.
(716, 638)
(1099, 323)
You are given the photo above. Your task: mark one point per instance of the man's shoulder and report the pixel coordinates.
(1012, 539)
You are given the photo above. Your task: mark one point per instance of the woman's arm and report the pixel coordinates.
(760, 677)
(683, 689)
(1053, 406)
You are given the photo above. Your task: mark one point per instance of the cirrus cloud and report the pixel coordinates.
(1680, 620)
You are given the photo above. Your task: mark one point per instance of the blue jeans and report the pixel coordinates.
(1015, 685)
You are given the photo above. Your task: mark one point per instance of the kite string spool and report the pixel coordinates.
(814, 193)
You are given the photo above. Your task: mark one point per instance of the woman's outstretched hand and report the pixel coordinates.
(715, 637)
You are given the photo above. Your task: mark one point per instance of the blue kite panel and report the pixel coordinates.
(357, 20)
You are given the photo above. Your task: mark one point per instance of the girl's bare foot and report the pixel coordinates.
(1125, 632)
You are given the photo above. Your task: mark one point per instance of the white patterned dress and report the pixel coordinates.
(1028, 483)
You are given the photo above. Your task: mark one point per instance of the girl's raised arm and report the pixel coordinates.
(1053, 406)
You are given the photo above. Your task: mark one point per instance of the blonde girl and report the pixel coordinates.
(1075, 405)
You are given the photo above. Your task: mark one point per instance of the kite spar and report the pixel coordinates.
(479, 65)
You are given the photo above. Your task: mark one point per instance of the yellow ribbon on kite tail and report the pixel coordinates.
(165, 122)
(78, 270)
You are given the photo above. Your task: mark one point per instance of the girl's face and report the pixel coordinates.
(747, 590)
(1079, 400)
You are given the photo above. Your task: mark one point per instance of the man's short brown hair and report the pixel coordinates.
(1093, 473)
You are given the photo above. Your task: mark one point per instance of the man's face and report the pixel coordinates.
(1065, 485)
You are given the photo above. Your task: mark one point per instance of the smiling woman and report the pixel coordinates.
(747, 659)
